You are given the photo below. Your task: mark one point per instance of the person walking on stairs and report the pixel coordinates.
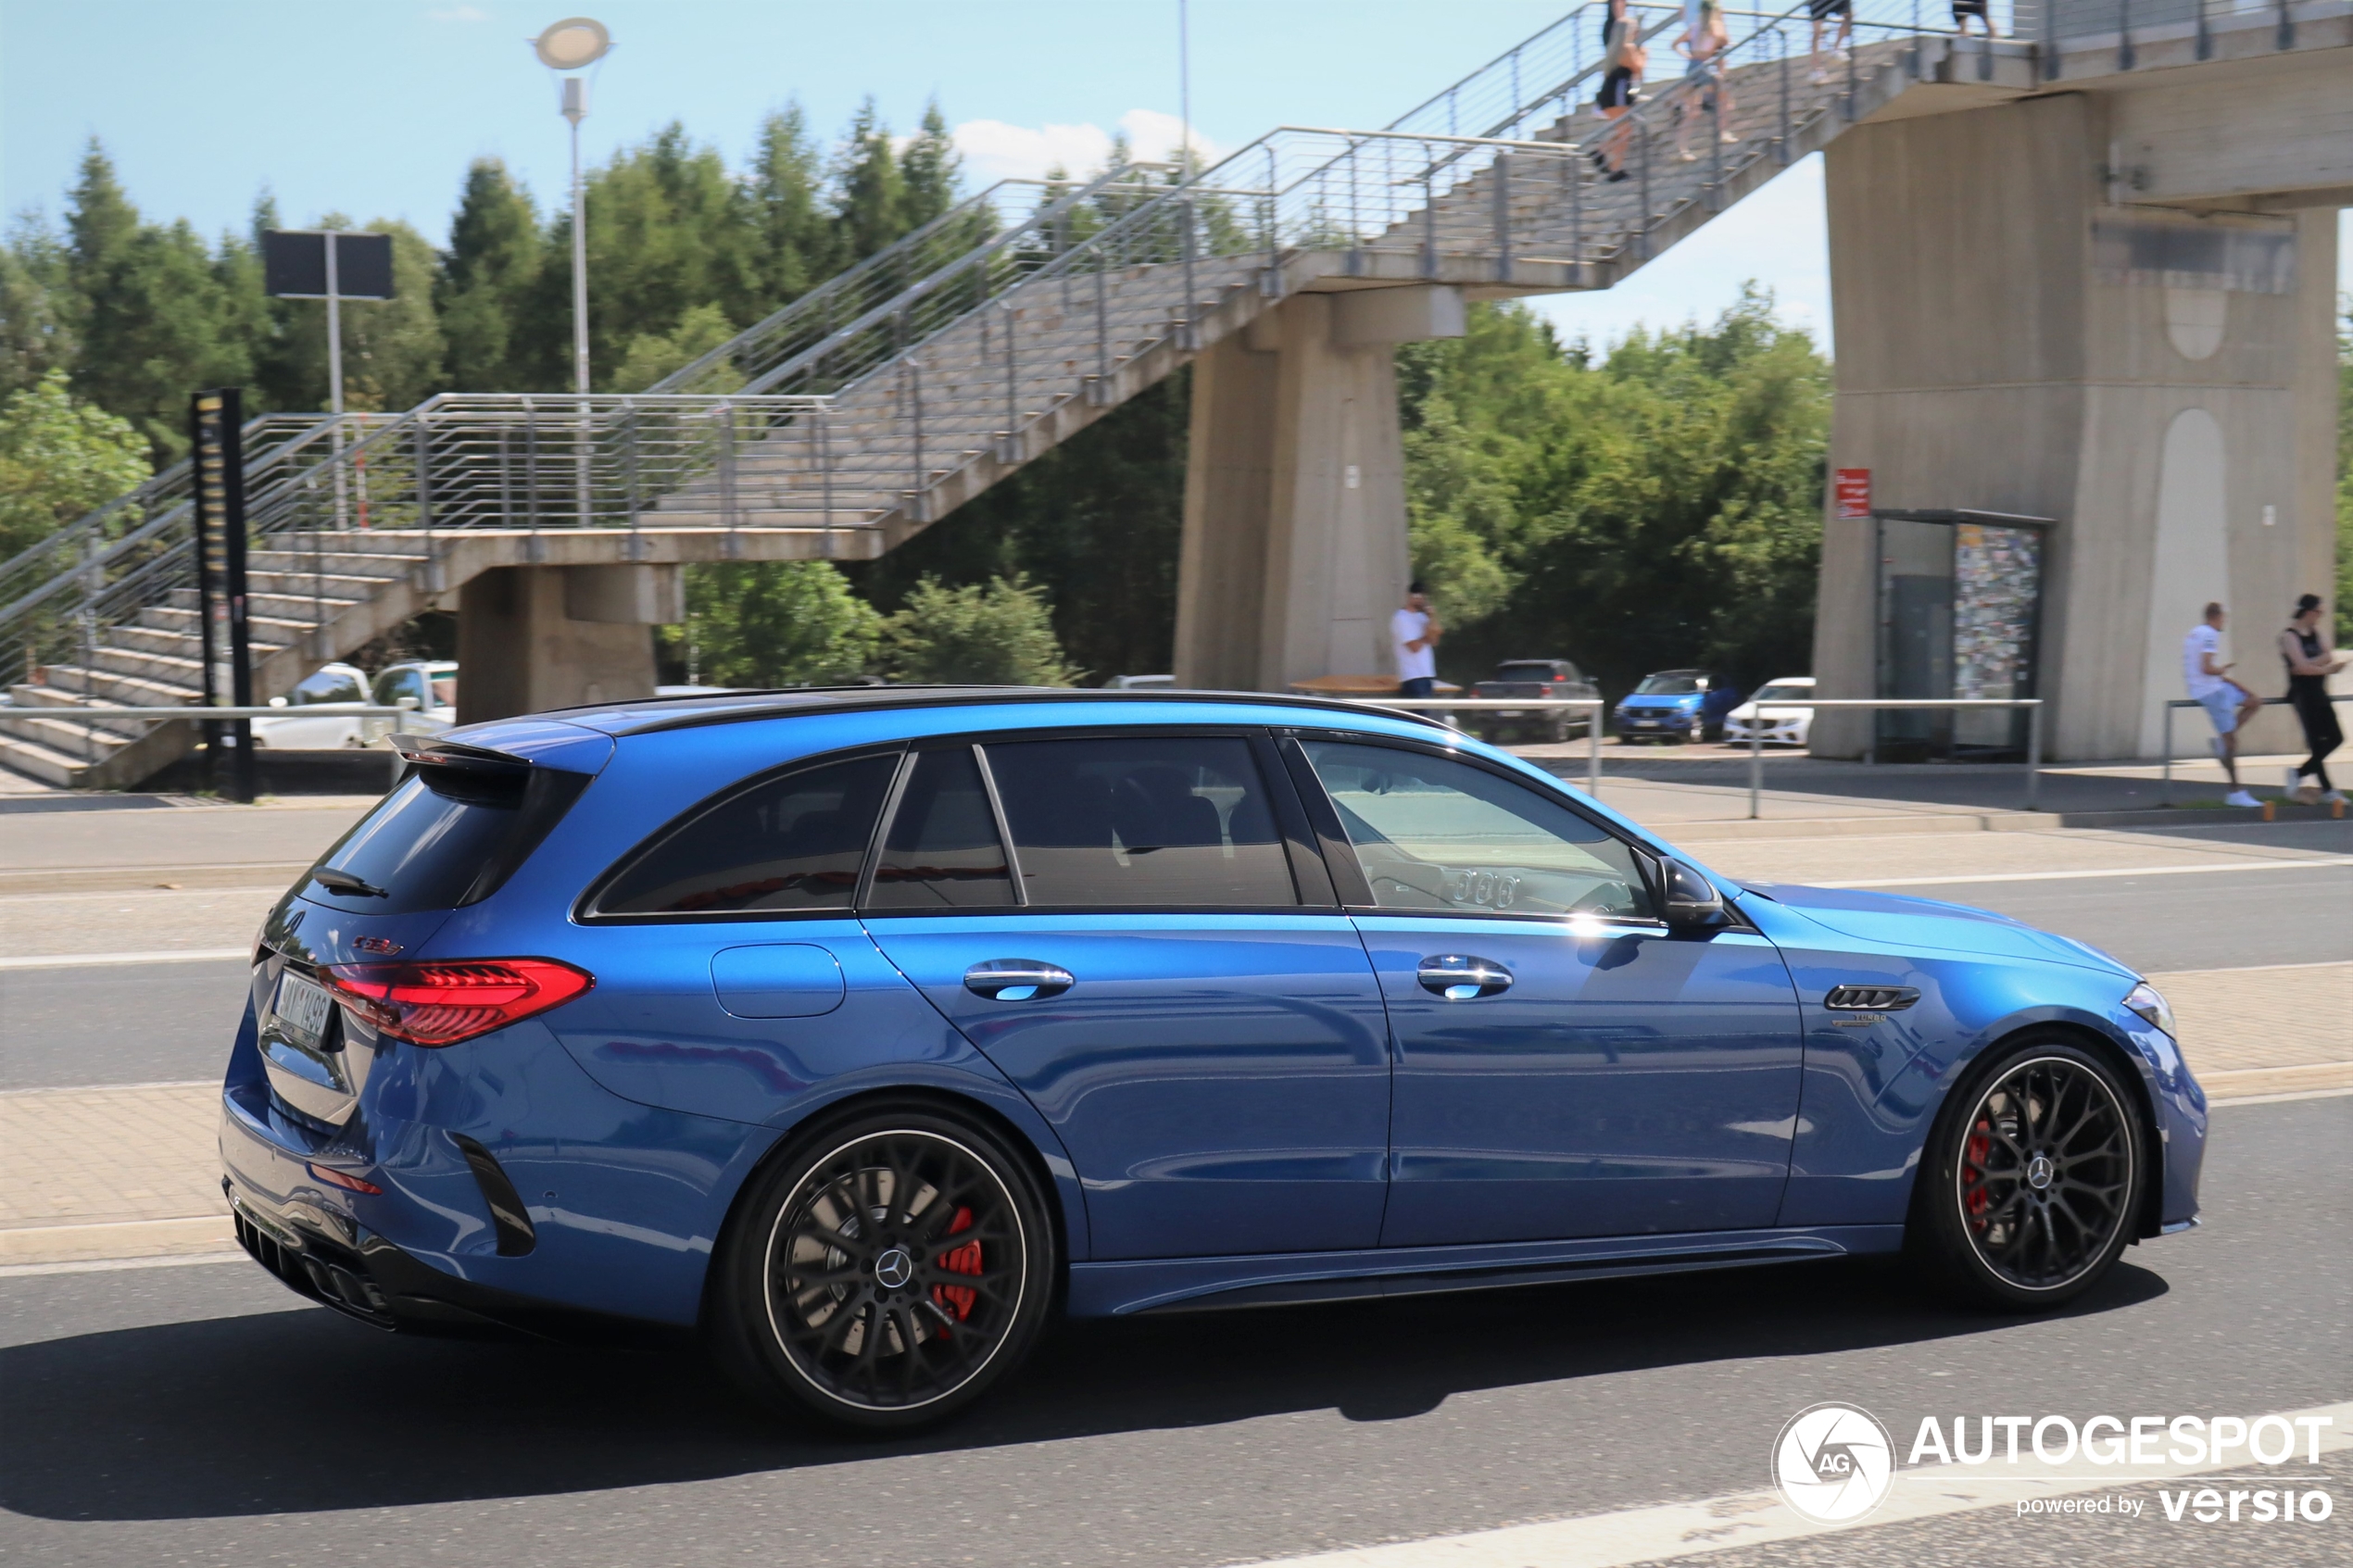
(2311, 661)
(1623, 61)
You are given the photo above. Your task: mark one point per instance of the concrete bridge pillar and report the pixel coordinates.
(2020, 330)
(535, 637)
(1294, 547)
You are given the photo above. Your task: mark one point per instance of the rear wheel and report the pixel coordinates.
(2033, 1177)
(887, 1272)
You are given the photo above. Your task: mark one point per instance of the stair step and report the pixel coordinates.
(38, 761)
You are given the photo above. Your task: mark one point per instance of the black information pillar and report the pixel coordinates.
(215, 423)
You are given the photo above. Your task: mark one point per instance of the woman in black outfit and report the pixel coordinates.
(2310, 662)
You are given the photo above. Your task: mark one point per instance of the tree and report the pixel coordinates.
(1660, 507)
(796, 244)
(1095, 524)
(998, 634)
(870, 191)
(777, 623)
(162, 321)
(653, 356)
(59, 459)
(484, 282)
(932, 168)
(37, 306)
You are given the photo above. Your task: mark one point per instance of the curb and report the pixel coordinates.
(273, 875)
(130, 1238)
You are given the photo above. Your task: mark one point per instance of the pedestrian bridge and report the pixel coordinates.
(2030, 236)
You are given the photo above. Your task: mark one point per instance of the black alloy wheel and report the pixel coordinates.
(886, 1271)
(2036, 1180)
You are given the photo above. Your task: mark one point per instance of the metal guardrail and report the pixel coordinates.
(2165, 793)
(199, 713)
(2034, 706)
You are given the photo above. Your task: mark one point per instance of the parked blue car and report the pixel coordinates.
(1676, 705)
(858, 1031)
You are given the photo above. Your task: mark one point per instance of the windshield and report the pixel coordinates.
(1779, 692)
(1667, 685)
(327, 686)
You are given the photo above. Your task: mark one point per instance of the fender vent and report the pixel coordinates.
(507, 1215)
(1871, 998)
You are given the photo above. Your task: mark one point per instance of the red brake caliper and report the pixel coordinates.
(1973, 1196)
(965, 1260)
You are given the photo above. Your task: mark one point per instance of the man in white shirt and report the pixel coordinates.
(2226, 702)
(1413, 636)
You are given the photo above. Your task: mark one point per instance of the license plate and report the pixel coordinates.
(301, 1008)
(1511, 713)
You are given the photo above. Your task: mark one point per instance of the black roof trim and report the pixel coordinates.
(854, 699)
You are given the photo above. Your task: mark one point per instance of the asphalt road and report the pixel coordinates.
(200, 1415)
(127, 1023)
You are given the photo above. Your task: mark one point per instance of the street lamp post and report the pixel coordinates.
(572, 45)
(576, 43)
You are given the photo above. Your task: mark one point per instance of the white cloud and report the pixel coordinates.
(994, 150)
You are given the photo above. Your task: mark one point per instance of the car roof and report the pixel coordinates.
(646, 715)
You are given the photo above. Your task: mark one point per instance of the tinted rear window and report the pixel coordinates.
(1141, 820)
(1533, 673)
(943, 851)
(792, 843)
(445, 839)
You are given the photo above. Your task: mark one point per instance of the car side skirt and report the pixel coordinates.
(1122, 1288)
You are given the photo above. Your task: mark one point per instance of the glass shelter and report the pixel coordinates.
(1960, 613)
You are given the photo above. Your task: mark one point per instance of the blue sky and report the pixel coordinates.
(373, 107)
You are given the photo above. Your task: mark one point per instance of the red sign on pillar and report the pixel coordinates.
(1853, 488)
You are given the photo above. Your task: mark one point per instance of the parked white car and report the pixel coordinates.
(319, 713)
(1778, 712)
(431, 684)
(1140, 684)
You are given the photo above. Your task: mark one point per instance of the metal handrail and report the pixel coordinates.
(2165, 747)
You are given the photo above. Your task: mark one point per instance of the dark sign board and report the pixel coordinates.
(293, 264)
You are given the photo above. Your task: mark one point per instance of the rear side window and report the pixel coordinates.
(444, 838)
(943, 851)
(1434, 834)
(791, 843)
(1141, 820)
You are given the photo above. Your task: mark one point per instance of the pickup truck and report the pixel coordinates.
(1534, 678)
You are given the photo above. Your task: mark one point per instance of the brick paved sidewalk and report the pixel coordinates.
(133, 1172)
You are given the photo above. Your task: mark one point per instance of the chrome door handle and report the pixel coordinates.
(1017, 980)
(1458, 977)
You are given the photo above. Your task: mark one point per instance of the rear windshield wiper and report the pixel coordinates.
(335, 881)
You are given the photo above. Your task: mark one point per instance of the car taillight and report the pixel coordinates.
(440, 1004)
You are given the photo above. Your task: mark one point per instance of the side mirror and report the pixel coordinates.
(1691, 899)
(277, 702)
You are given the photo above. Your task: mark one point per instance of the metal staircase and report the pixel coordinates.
(876, 405)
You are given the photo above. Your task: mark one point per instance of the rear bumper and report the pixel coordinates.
(329, 1259)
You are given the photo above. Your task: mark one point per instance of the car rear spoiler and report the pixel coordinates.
(434, 751)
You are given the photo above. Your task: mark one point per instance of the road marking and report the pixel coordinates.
(1673, 1531)
(2280, 1099)
(94, 960)
(2325, 860)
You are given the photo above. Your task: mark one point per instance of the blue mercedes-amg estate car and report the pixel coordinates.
(861, 1031)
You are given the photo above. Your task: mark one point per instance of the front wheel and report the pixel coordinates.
(2031, 1179)
(886, 1272)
